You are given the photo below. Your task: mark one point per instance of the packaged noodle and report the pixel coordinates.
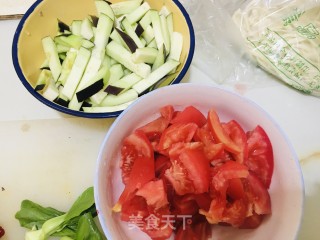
(284, 38)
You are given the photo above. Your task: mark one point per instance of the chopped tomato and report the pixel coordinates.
(188, 115)
(238, 136)
(162, 163)
(235, 212)
(154, 193)
(203, 200)
(176, 149)
(184, 172)
(179, 132)
(197, 229)
(167, 112)
(178, 176)
(195, 162)
(220, 134)
(227, 171)
(135, 208)
(260, 155)
(142, 172)
(211, 149)
(235, 189)
(252, 221)
(154, 129)
(184, 205)
(182, 164)
(258, 195)
(133, 146)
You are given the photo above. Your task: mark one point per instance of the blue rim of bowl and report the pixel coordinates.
(80, 113)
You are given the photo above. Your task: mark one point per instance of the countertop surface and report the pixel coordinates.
(50, 157)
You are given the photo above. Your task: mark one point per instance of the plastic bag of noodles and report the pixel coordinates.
(283, 37)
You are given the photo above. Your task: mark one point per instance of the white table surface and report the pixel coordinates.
(49, 157)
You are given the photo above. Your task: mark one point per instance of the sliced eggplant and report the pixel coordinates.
(105, 8)
(86, 29)
(113, 100)
(155, 76)
(123, 56)
(43, 79)
(125, 7)
(52, 55)
(138, 13)
(116, 108)
(77, 70)
(131, 32)
(67, 66)
(145, 55)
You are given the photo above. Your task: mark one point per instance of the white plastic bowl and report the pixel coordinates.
(286, 190)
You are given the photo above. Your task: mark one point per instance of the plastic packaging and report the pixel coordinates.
(282, 37)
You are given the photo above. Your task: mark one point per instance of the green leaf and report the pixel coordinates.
(84, 202)
(32, 215)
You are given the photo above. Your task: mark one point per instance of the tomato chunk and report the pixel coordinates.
(260, 155)
(238, 136)
(154, 193)
(220, 134)
(188, 115)
(179, 132)
(134, 146)
(195, 162)
(142, 172)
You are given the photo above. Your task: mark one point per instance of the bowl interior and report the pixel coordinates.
(287, 190)
(41, 20)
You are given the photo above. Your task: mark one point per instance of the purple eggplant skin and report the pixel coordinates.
(89, 91)
(113, 90)
(63, 26)
(128, 40)
(139, 30)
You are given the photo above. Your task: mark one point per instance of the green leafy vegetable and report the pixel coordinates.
(76, 224)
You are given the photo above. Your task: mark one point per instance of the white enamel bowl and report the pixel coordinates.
(286, 190)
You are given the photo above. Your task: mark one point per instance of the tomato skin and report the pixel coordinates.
(179, 132)
(188, 115)
(260, 155)
(220, 134)
(135, 145)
